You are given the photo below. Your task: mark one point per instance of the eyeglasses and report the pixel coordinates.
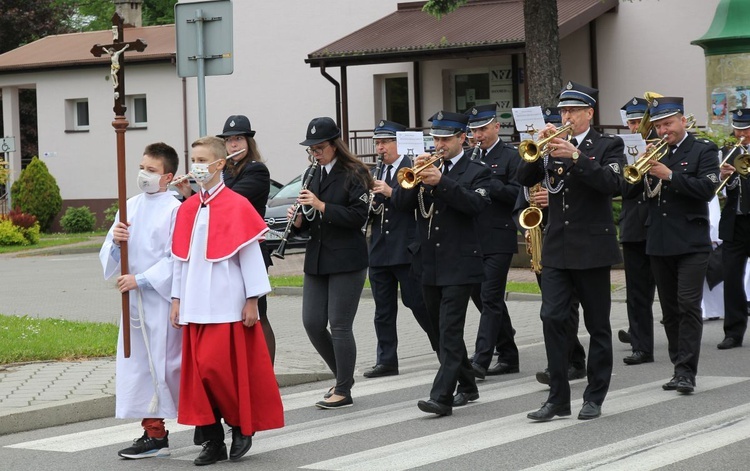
(572, 110)
(317, 150)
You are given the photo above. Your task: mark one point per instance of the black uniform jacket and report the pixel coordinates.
(580, 232)
(678, 220)
(447, 251)
(253, 182)
(497, 231)
(337, 244)
(392, 230)
(738, 186)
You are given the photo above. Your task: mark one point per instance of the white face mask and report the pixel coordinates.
(200, 172)
(148, 182)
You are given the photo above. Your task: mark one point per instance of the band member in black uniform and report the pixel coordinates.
(680, 185)
(448, 254)
(576, 352)
(390, 261)
(498, 236)
(334, 209)
(580, 247)
(734, 230)
(639, 280)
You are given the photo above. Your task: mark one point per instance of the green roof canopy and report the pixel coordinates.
(730, 31)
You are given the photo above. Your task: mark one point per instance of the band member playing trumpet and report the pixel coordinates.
(448, 255)
(498, 236)
(734, 230)
(639, 280)
(681, 184)
(390, 261)
(334, 209)
(580, 246)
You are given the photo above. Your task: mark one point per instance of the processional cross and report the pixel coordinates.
(116, 51)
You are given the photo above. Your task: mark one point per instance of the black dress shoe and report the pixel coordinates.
(685, 385)
(638, 357)
(728, 343)
(381, 370)
(345, 402)
(543, 376)
(213, 451)
(501, 368)
(461, 399)
(590, 411)
(671, 385)
(548, 411)
(623, 336)
(433, 407)
(576, 373)
(479, 370)
(240, 444)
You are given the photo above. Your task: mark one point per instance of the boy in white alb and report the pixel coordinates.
(219, 273)
(147, 383)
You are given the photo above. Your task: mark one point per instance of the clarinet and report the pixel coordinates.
(378, 176)
(475, 153)
(279, 252)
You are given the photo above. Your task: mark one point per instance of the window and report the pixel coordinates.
(77, 114)
(483, 86)
(137, 111)
(397, 99)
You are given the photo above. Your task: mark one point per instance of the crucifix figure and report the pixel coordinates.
(116, 51)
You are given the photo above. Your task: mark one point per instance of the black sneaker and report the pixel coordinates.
(146, 447)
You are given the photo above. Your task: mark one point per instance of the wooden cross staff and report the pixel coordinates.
(116, 51)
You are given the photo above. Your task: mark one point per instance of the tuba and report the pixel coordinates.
(409, 178)
(634, 173)
(531, 150)
(531, 220)
(741, 163)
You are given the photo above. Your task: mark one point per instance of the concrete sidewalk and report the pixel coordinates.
(44, 394)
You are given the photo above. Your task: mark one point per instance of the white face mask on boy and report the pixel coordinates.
(200, 172)
(148, 182)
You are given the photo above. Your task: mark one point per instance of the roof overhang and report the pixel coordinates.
(481, 27)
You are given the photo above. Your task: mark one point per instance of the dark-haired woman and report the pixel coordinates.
(334, 209)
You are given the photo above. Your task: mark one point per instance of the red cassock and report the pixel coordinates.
(225, 366)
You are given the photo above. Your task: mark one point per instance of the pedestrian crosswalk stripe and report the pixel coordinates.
(431, 448)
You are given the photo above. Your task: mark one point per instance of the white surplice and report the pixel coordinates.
(147, 385)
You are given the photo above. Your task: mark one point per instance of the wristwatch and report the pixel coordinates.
(575, 156)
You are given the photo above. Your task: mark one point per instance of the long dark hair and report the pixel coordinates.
(355, 169)
(252, 155)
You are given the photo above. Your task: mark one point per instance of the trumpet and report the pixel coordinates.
(409, 178)
(635, 172)
(531, 150)
(182, 178)
(279, 252)
(741, 163)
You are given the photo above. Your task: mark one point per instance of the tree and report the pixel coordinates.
(542, 45)
(36, 193)
(96, 15)
(24, 21)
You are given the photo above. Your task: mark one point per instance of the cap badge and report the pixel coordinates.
(231, 124)
(313, 130)
(548, 111)
(569, 86)
(382, 123)
(739, 113)
(474, 111)
(440, 115)
(635, 101)
(655, 103)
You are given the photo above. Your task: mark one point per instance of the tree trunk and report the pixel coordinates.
(542, 52)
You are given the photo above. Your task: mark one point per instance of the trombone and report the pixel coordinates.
(741, 164)
(408, 178)
(635, 172)
(531, 150)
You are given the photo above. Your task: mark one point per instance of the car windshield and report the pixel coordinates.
(291, 189)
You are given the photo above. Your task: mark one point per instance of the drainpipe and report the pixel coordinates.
(337, 86)
(185, 124)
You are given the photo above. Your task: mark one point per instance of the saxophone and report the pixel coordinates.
(531, 220)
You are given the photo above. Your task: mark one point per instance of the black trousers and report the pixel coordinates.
(385, 282)
(495, 326)
(734, 255)
(447, 308)
(679, 279)
(640, 288)
(593, 289)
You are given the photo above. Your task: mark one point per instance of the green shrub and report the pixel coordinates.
(36, 192)
(31, 233)
(109, 215)
(11, 234)
(78, 220)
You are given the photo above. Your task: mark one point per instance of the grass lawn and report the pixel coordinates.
(54, 240)
(23, 338)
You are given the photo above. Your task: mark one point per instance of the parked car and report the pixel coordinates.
(276, 219)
